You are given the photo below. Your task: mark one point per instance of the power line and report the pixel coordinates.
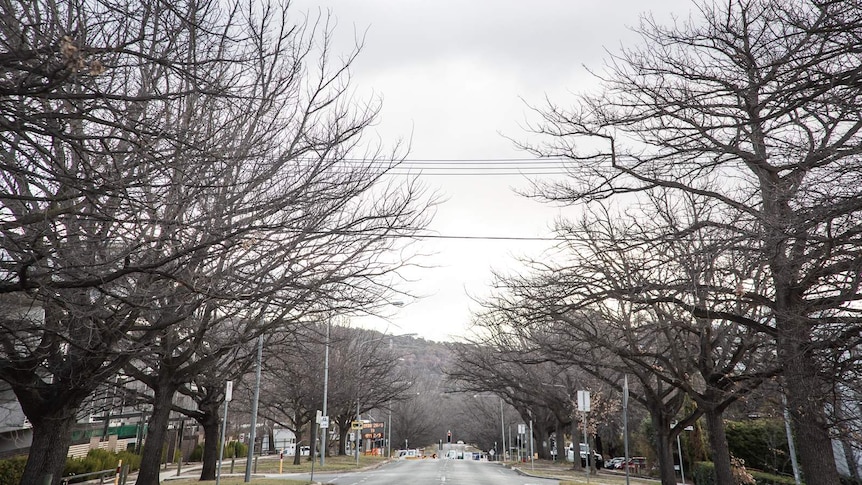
(488, 238)
(486, 166)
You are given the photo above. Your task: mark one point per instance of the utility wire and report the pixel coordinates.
(461, 166)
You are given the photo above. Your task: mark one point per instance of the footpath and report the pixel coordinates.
(565, 473)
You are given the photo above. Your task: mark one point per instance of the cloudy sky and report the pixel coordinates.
(455, 78)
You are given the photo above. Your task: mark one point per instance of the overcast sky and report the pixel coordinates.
(454, 77)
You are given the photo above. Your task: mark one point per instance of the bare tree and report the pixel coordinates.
(598, 310)
(754, 105)
(362, 376)
(526, 377)
(143, 147)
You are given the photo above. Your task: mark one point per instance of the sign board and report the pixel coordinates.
(584, 401)
(324, 422)
(373, 431)
(228, 391)
(356, 425)
(522, 429)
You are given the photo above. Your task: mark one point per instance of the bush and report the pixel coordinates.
(12, 470)
(235, 449)
(703, 473)
(99, 460)
(761, 443)
(764, 478)
(197, 453)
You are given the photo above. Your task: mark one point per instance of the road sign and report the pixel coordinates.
(584, 401)
(522, 429)
(356, 425)
(324, 422)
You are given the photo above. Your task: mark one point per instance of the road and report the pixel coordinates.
(434, 472)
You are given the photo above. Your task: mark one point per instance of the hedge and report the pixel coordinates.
(12, 470)
(703, 473)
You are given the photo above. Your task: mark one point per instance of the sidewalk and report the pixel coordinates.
(566, 473)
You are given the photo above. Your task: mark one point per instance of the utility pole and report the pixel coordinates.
(251, 433)
(325, 430)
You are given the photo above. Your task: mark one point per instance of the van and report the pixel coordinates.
(597, 458)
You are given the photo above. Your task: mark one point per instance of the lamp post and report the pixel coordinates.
(502, 424)
(325, 418)
(358, 432)
(679, 450)
(389, 430)
(502, 431)
(389, 433)
(254, 411)
(228, 395)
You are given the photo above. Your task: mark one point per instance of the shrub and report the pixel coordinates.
(98, 460)
(235, 449)
(12, 469)
(703, 473)
(197, 453)
(761, 443)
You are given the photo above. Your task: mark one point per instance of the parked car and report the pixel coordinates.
(615, 462)
(597, 458)
(636, 463)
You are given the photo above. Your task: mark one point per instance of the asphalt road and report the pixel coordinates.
(434, 472)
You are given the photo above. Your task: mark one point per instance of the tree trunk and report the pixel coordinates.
(312, 441)
(271, 438)
(591, 441)
(576, 448)
(52, 435)
(664, 449)
(809, 420)
(297, 421)
(539, 437)
(212, 437)
(342, 440)
(157, 429)
(718, 444)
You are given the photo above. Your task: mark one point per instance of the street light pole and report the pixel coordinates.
(228, 395)
(502, 432)
(254, 411)
(325, 431)
(358, 432)
(389, 433)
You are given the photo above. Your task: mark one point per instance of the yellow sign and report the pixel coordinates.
(356, 425)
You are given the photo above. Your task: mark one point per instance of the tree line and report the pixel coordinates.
(717, 251)
(174, 186)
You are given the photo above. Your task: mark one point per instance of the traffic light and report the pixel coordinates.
(448, 437)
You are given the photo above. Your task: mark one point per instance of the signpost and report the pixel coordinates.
(228, 395)
(584, 407)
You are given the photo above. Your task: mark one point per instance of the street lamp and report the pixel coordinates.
(679, 449)
(324, 424)
(502, 426)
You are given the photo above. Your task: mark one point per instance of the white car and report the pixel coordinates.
(597, 458)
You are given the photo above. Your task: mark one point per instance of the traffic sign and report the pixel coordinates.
(356, 425)
(584, 401)
(324, 422)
